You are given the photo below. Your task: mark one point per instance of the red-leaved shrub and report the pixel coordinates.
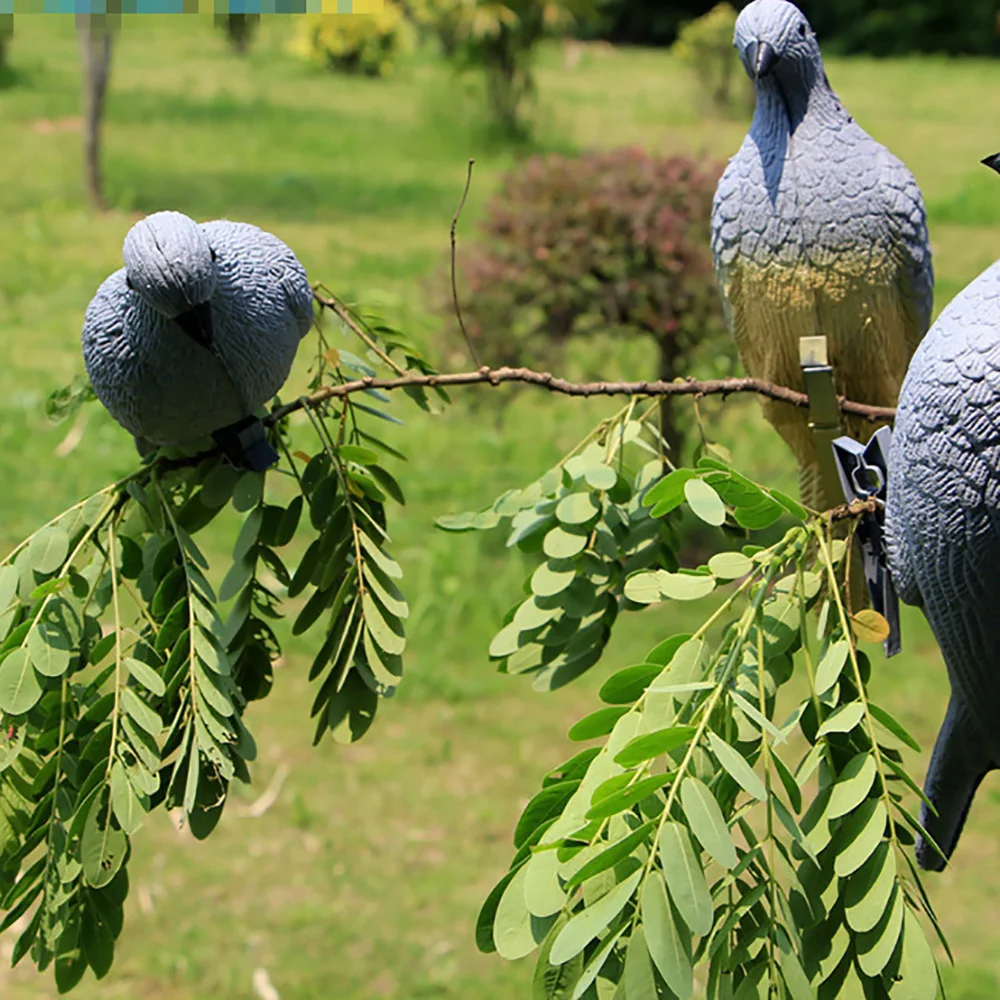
(612, 241)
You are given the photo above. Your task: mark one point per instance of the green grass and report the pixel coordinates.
(364, 879)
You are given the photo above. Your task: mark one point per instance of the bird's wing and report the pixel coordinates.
(107, 350)
(906, 219)
(273, 254)
(943, 507)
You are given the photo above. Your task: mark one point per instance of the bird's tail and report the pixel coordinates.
(245, 444)
(958, 765)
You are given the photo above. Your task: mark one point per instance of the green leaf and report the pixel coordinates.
(792, 506)
(49, 650)
(707, 823)
(667, 939)
(739, 770)
(881, 716)
(644, 587)
(548, 803)
(577, 508)
(555, 982)
(638, 980)
(547, 582)
(668, 493)
(853, 785)
(142, 715)
(249, 533)
(384, 635)
(843, 719)
(128, 809)
(730, 565)
(868, 890)
(595, 965)
(488, 911)
(146, 676)
(858, 837)
(917, 976)
(597, 724)
(624, 798)
(685, 878)
(875, 947)
(561, 544)
(20, 688)
(685, 586)
(514, 928)
(831, 666)
(248, 491)
(628, 685)
(704, 502)
(609, 857)
(651, 745)
(48, 550)
(586, 925)
(388, 566)
(102, 848)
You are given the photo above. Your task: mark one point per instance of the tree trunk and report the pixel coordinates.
(94, 34)
(668, 425)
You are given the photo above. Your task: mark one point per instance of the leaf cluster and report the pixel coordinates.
(745, 818)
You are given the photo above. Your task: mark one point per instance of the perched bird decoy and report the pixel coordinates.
(817, 230)
(198, 330)
(943, 530)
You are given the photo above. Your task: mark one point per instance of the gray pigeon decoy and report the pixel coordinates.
(943, 533)
(198, 330)
(816, 230)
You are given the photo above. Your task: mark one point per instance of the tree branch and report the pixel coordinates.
(545, 380)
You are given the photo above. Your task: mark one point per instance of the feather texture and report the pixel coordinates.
(159, 383)
(817, 230)
(943, 528)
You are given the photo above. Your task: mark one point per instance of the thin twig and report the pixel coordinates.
(454, 283)
(545, 380)
(345, 317)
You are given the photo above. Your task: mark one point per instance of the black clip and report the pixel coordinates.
(864, 474)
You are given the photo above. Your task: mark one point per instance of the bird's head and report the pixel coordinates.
(776, 43)
(171, 267)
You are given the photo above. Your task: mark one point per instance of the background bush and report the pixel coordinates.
(876, 27)
(705, 47)
(367, 44)
(612, 242)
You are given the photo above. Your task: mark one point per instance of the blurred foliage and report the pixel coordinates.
(240, 29)
(366, 44)
(610, 242)
(639, 22)
(705, 46)
(500, 39)
(438, 19)
(900, 27)
(876, 27)
(6, 33)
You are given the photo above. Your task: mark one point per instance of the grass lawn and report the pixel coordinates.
(364, 879)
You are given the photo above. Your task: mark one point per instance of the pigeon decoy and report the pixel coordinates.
(817, 230)
(943, 532)
(198, 330)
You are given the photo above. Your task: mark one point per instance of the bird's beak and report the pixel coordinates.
(761, 58)
(197, 324)
(993, 162)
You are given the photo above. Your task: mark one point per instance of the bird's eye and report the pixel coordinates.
(802, 30)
